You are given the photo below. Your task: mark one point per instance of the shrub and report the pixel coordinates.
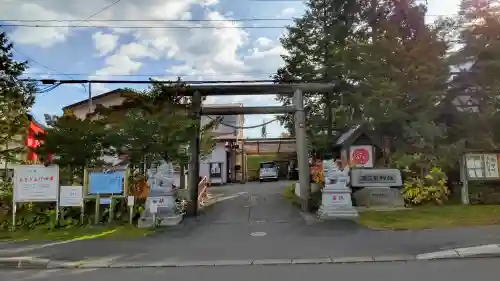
(317, 176)
(429, 189)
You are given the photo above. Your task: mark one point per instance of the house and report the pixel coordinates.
(29, 141)
(220, 166)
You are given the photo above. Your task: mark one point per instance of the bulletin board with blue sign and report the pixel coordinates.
(104, 183)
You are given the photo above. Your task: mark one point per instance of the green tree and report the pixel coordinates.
(155, 123)
(316, 45)
(475, 89)
(401, 77)
(74, 144)
(16, 99)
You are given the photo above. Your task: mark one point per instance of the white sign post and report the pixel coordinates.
(130, 203)
(35, 183)
(72, 196)
(153, 208)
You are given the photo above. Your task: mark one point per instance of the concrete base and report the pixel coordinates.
(165, 221)
(326, 213)
(379, 197)
(332, 207)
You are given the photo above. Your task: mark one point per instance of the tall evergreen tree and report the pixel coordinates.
(401, 77)
(315, 43)
(16, 99)
(477, 85)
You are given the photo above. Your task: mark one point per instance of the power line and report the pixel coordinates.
(96, 81)
(102, 10)
(152, 20)
(48, 89)
(139, 27)
(152, 74)
(44, 65)
(167, 20)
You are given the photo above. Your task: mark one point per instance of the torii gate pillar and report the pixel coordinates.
(302, 155)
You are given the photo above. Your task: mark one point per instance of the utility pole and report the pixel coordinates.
(264, 129)
(90, 97)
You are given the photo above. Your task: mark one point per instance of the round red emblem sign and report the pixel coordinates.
(360, 156)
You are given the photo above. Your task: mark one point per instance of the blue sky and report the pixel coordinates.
(231, 53)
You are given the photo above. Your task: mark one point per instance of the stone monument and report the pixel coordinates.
(379, 187)
(336, 200)
(162, 194)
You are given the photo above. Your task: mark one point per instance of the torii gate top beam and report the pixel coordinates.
(262, 89)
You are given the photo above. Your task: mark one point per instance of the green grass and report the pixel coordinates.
(432, 217)
(253, 161)
(76, 234)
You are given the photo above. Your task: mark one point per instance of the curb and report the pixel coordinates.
(486, 251)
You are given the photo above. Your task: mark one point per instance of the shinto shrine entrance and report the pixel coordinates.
(283, 151)
(197, 92)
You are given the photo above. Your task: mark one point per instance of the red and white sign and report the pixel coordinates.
(36, 183)
(337, 199)
(361, 156)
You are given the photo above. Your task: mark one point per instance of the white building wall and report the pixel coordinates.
(217, 155)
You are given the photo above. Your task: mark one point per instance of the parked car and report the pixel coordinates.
(268, 171)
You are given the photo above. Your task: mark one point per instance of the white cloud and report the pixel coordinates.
(205, 53)
(263, 42)
(118, 64)
(25, 35)
(105, 43)
(287, 12)
(228, 53)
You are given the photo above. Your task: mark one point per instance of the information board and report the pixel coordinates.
(106, 183)
(71, 196)
(36, 183)
(482, 166)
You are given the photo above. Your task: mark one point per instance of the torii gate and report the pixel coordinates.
(198, 91)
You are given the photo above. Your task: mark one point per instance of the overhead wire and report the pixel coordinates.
(52, 87)
(168, 20)
(155, 74)
(140, 27)
(149, 20)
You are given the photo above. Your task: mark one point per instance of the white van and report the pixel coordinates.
(268, 171)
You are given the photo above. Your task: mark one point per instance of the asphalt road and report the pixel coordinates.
(253, 221)
(456, 270)
(226, 231)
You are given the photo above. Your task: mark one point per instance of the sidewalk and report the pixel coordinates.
(253, 222)
(485, 251)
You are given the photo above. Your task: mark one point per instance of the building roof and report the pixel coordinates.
(351, 135)
(35, 122)
(116, 92)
